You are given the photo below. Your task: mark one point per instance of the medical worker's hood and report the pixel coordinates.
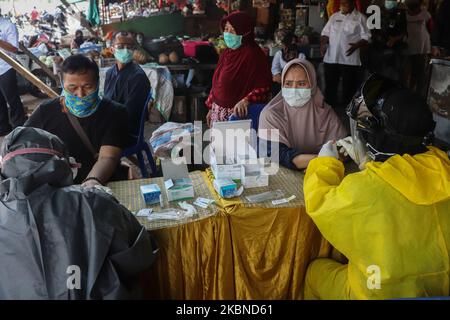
(423, 179)
(21, 174)
(58, 240)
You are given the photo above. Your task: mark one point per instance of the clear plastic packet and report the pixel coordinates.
(265, 196)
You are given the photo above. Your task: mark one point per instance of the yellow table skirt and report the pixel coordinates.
(246, 254)
(238, 250)
(241, 252)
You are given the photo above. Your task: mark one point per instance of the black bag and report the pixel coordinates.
(206, 54)
(164, 45)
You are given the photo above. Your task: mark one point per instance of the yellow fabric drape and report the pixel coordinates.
(240, 253)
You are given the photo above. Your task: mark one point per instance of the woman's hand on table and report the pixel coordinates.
(240, 109)
(302, 160)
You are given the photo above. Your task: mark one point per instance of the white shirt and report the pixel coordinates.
(418, 36)
(278, 63)
(8, 33)
(341, 30)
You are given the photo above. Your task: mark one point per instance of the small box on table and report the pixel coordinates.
(150, 193)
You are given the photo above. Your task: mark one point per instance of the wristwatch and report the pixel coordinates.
(92, 178)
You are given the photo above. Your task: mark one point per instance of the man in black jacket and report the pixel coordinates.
(126, 82)
(440, 36)
(60, 241)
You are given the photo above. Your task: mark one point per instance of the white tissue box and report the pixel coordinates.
(225, 169)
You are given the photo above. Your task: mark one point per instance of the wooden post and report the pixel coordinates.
(88, 27)
(39, 62)
(28, 75)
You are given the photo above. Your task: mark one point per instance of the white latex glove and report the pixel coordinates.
(329, 149)
(346, 147)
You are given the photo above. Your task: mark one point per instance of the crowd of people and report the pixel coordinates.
(401, 196)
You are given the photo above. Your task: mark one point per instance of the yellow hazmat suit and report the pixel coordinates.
(392, 222)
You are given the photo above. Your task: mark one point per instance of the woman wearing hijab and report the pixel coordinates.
(243, 73)
(305, 122)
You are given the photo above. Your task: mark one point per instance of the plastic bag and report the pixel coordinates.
(265, 196)
(166, 137)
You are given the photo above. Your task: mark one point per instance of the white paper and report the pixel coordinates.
(174, 171)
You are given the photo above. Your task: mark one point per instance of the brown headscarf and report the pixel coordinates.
(304, 128)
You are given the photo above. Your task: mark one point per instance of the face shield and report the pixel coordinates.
(363, 123)
(358, 140)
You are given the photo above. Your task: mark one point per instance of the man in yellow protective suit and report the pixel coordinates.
(392, 219)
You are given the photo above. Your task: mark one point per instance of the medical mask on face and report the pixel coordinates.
(390, 4)
(232, 41)
(296, 97)
(81, 107)
(123, 55)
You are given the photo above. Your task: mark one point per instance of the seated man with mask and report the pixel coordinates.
(391, 220)
(60, 241)
(93, 129)
(126, 82)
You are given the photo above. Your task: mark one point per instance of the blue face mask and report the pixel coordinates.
(232, 41)
(390, 4)
(81, 107)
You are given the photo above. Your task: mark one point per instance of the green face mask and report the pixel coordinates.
(232, 41)
(390, 4)
(123, 55)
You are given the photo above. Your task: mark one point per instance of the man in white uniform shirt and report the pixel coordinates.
(345, 33)
(8, 82)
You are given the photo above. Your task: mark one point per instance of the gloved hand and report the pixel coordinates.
(329, 149)
(346, 147)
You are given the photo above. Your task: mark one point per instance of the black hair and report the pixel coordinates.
(122, 34)
(290, 51)
(288, 38)
(80, 64)
(352, 2)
